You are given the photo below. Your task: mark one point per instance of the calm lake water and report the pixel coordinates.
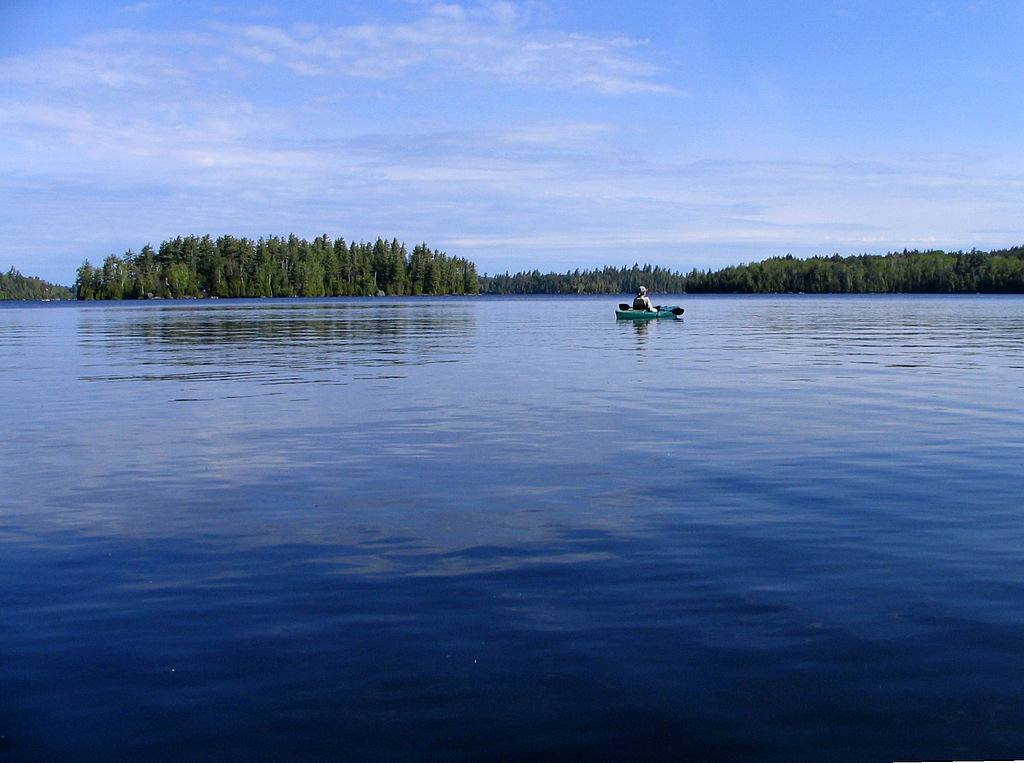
(784, 528)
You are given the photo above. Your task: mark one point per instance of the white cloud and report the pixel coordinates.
(453, 12)
(487, 45)
(502, 12)
(155, 93)
(141, 7)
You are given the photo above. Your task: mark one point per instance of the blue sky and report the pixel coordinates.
(521, 135)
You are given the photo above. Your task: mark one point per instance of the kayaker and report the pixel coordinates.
(642, 301)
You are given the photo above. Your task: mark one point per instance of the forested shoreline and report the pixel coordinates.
(15, 286)
(194, 266)
(607, 280)
(275, 266)
(907, 272)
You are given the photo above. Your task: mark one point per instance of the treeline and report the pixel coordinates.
(936, 272)
(275, 267)
(285, 267)
(996, 272)
(13, 285)
(608, 280)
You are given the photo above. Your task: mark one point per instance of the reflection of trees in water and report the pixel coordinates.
(299, 337)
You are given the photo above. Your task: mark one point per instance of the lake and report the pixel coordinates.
(783, 528)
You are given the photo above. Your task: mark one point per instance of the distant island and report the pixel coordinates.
(13, 285)
(195, 267)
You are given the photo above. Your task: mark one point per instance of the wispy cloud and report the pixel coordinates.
(165, 93)
(172, 105)
(494, 47)
(489, 42)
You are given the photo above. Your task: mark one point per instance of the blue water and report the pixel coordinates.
(783, 528)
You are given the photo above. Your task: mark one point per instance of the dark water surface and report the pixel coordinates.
(785, 528)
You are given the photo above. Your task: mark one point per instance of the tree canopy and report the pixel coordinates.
(13, 285)
(937, 272)
(194, 266)
(996, 272)
(608, 280)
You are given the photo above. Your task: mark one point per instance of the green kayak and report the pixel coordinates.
(663, 311)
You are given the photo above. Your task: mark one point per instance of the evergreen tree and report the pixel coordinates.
(194, 266)
(13, 285)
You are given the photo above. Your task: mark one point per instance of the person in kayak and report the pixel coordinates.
(642, 301)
